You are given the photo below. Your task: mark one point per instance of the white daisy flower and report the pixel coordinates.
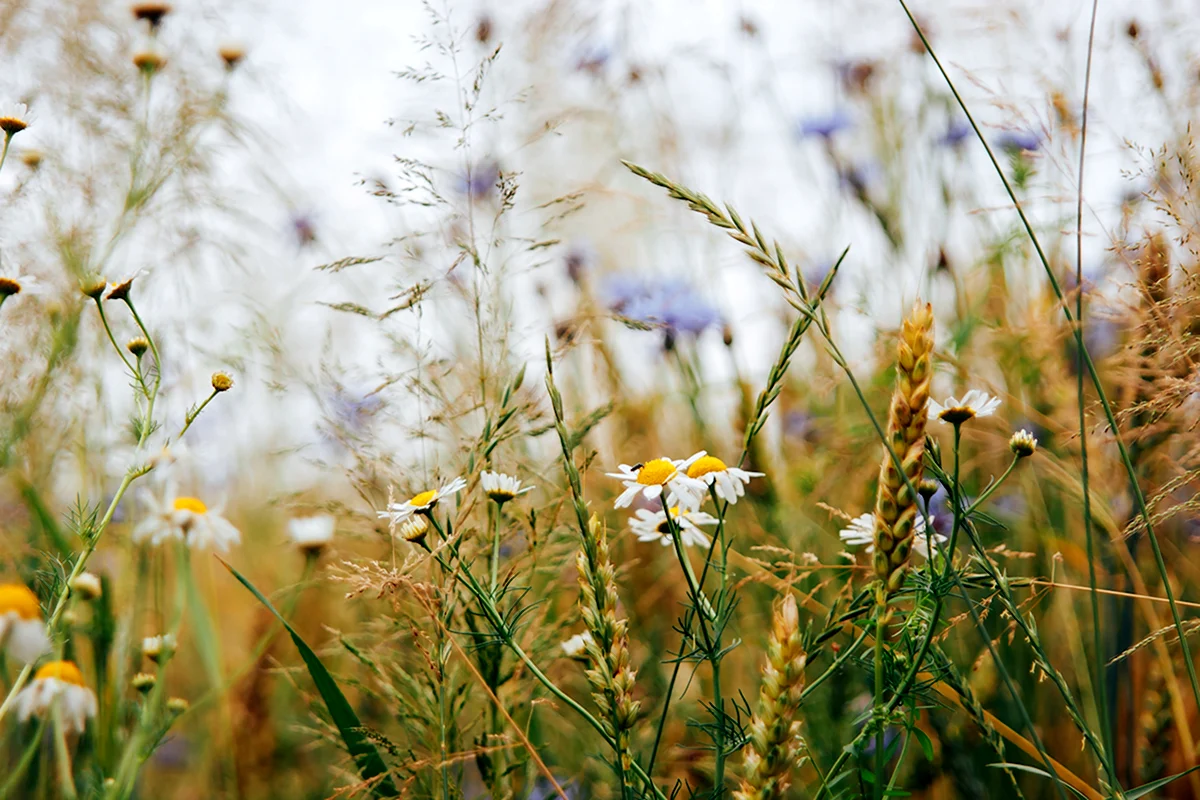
(974, 403)
(159, 649)
(730, 482)
(650, 478)
(576, 646)
(423, 502)
(58, 682)
(861, 531)
(651, 526)
(500, 487)
(186, 519)
(22, 632)
(1023, 444)
(414, 528)
(311, 534)
(14, 118)
(16, 283)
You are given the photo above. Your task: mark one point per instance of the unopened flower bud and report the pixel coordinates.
(93, 287)
(149, 62)
(138, 345)
(177, 705)
(152, 12)
(143, 682)
(86, 585)
(221, 382)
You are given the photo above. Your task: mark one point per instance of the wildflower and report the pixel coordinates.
(61, 682)
(1023, 444)
(823, 126)
(675, 307)
(93, 287)
(9, 286)
(414, 528)
(143, 682)
(187, 519)
(14, 118)
(177, 705)
(31, 158)
(650, 526)
(500, 487)
(232, 55)
(576, 646)
(120, 290)
(421, 503)
(956, 134)
(152, 12)
(480, 182)
(221, 382)
(149, 61)
(311, 534)
(1019, 141)
(649, 478)
(87, 585)
(974, 403)
(138, 345)
(159, 649)
(861, 530)
(730, 482)
(22, 632)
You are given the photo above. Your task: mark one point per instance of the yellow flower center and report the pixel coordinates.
(192, 504)
(17, 599)
(63, 670)
(656, 472)
(705, 465)
(423, 499)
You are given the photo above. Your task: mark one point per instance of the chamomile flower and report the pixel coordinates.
(861, 531)
(651, 526)
(58, 682)
(576, 646)
(974, 403)
(11, 284)
(500, 487)
(311, 534)
(14, 118)
(1023, 444)
(414, 528)
(187, 519)
(22, 632)
(650, 478)
(159, 649)
(729, 482)
(421, 503)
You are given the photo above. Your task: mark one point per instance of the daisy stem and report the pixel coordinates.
(62, 753)
(191, 417)
(702, 604)
(153, 395)
(989, 491)
(136, 373)
(31, 751)
(4, 151)
(494, 535)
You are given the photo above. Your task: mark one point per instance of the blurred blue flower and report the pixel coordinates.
(593, 58)
(481, 181)
(799, 426)
(304, 228)
(352, 412)
(1018, 141)
(823, 126)
(579, 258)
(671, 305)
(956, 134)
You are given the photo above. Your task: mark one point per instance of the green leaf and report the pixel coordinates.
(1142, 791)
(1042, 772)
(370, 764)
(924, 741)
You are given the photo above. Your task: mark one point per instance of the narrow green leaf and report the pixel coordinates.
(1142, 791)
(370, 764)
(924, 741)
(1042, 772)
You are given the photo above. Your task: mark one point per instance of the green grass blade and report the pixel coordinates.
(370, 764)
(1153, 786)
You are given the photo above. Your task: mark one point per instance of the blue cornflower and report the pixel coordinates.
(353, 412)
(956, 134)
(823, 126)
(1018, 141)
(671, 305)
(481, 182)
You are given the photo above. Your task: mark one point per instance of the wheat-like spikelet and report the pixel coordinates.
(896, 507)
(610, 674)
(774, 745)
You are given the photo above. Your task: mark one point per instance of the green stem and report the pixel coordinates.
(31, 750)
(62, 753)
(4, 153)
(880, 721)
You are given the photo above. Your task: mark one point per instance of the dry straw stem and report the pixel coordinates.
(774, 745)
(610, 675)
(896, 507)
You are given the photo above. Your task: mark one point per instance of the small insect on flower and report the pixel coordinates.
(187, 519)
(22, 632)
(421, 503)
(14, 118)
(861, 530)
(651, 477)
(1023, 444)
(729, 482)
(500, 487)
(311, 534)
(58, 682)
(974, 403)
(576, 646)
(652, 526)
(159, 649)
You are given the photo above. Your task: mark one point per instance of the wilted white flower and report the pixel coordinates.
(159, 649)
(500, 487)
(58, 682)
(651, 526)
(576, 646)
(861, 531)
(730, 482)
(1023, 444)
(421, 503)
(650, 478)
(22, 631)
(974, 403)
(187, 519)
(311, 534)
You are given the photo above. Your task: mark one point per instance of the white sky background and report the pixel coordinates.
(715, 109)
